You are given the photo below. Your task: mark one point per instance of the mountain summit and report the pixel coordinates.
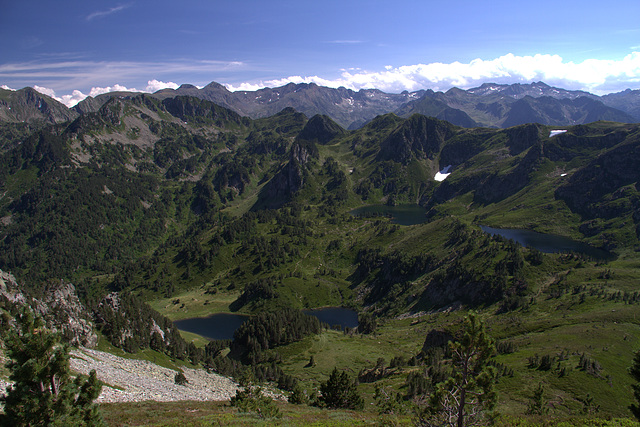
(489, 105)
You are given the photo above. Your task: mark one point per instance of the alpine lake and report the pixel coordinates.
(549, 243)
(221, 326)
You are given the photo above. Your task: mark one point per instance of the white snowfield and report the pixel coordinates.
(556, 132)
(443, 174)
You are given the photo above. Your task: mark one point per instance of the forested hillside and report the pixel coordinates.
(190, 206)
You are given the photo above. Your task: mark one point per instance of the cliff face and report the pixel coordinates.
(60, 308)
(290, 179)
(419, 137)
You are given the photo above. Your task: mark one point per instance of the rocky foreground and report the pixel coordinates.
(129, 380)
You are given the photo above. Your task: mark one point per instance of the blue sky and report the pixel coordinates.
(70, 49)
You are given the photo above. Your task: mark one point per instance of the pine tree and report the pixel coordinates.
(340, 392)
(43, 392)
(634, 371)
(538, 404)
(468, 393)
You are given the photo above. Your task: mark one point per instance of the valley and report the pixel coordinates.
(164, 207)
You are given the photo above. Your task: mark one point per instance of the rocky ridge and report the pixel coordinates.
(59, 307)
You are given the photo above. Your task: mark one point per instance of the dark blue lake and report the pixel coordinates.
(221, 326)
(402, 214)
(548, 243)
(344, 317)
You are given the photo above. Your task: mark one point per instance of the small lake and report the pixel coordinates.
(401, 214)
(344, 317)
(221, 326)
(548, 243)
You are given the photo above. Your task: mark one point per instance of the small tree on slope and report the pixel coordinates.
(464, 397)
(43, 392)
(340, 392)
(634, 371)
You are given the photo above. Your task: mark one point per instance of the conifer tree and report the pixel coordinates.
(340, 392)
(467, 394)
(538, 404)
(634, 371)
(43, 392)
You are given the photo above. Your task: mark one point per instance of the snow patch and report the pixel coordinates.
(563, 174)
(556, 132)
(443, 174)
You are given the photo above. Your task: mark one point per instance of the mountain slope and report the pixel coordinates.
(144, 173)
(504, 106)
(627, 101)
(492, 105)
(28, 105)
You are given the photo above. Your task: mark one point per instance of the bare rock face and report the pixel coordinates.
(9, 289)
(60, 308)
(419, 137)
(290, 179)
(65, 312)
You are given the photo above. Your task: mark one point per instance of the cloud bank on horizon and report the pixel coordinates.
(77, 96)
(593, 75)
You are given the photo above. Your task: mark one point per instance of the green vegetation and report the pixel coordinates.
(43, 392)
(464, 398)
(635, 374)
(165, 210)
(339, 391)
(251, 399)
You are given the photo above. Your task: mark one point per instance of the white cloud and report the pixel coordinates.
(45, 91)
(155, 85)
(66, 76)
(71, 100)
(598, 76)
(68, 100)
(5, 87)
(103, 13)
(77, 96)
(246, 86)
(95, 91)
(594, 75)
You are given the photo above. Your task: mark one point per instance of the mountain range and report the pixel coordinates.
(195, 208)
(490, 105)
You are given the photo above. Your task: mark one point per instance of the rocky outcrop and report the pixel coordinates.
(598, 190)
(58, 305)
(419, 137)
(290, 179)
(9, 290)
(193, 109)
(519, 138)
(129, 323)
